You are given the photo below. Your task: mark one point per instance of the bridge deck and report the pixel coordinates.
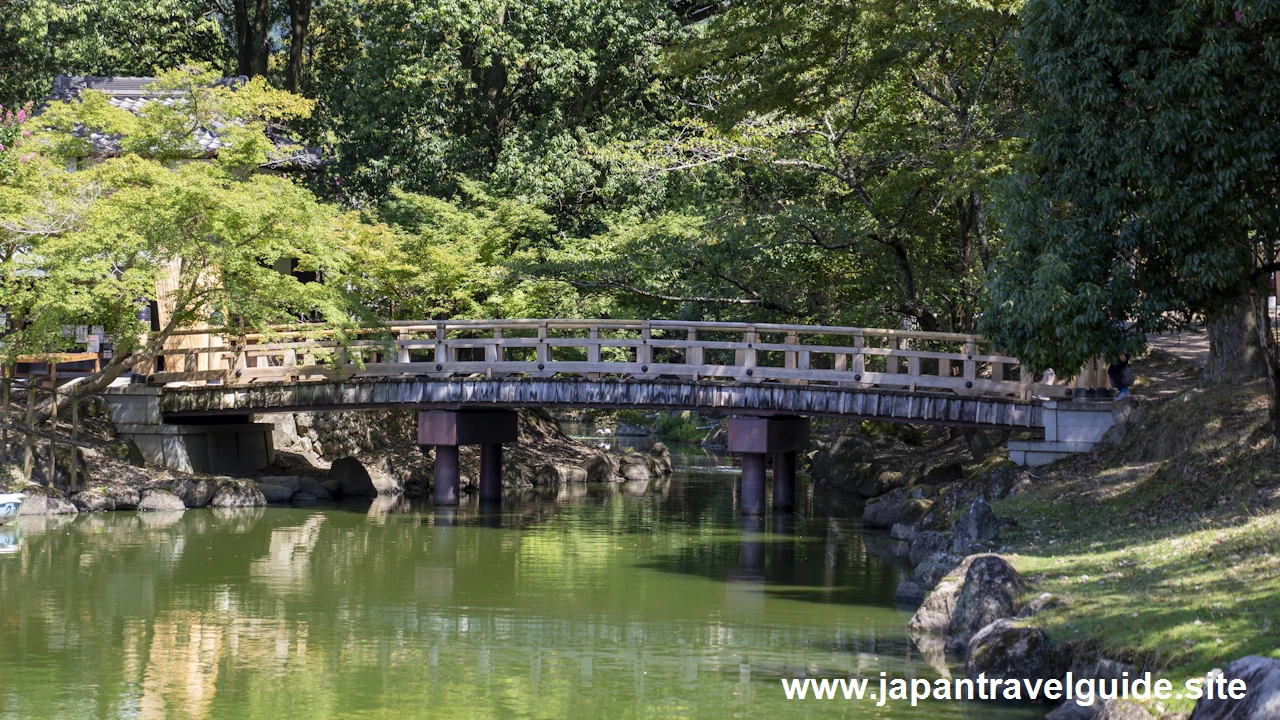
(727, 397)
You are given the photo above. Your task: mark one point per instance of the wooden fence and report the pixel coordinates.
(703, 351)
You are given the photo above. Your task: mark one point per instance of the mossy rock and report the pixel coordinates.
(126, 451)
(914, 509)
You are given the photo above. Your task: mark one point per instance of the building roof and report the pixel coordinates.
(131, 93)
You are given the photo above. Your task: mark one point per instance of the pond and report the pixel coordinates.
(637, 601)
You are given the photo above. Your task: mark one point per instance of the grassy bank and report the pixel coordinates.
(1166, 547)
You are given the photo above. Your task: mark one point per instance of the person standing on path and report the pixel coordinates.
(1121, 375)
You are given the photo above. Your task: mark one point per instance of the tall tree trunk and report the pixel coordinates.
(1270, 352)
(1235, 353)
(299, 23)
(244, 38)
(261, 36)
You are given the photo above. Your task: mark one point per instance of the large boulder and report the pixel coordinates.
(237, 494)
(45, 501)
(927, 574)
(314, 488)
(126, 451)
(552, 474)
(1003, 649)
(275, 494)
(160, 500)
(194, 492)
(601, 467)
(291, 482)
(978, 525)
(926, 543)
(845, 462)
(882, 483)
(1261, 678)
(93, 500)
(934, 614)
(661, 456)
(1100, 710)
(990, 593)
(883, 512)
(353, 478)
(944, 473)
(124, 497)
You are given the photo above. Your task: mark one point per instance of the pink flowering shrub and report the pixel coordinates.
(12, 134)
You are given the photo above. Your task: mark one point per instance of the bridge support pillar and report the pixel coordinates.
(752, 496)
(784, 481)
(447, 429)
(491, 472)
(446, 490)
(756, 437)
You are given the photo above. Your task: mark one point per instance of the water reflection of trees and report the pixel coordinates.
(549, 603)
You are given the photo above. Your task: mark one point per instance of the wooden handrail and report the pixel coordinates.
(653, 349)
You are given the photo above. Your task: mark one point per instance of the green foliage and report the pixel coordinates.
(633, 417)
(678, 428)
(41, 38)
(13, 134)
(103, 239)
(1148, 192)
(446, 258)
(908, 434)
(87, 247)
(841, 161)
(244, 117)
(422, 96)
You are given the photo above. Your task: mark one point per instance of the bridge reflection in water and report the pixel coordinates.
(570, 605)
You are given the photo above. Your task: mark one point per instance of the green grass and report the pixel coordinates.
(1165, 548)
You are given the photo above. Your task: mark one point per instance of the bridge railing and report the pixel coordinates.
(709, 351)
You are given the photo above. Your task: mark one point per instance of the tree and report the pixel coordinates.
(87, 247)
(851, 143)
(1148, 192)
(424, 96)
(41, 38)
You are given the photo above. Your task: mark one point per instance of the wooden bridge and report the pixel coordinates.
(955, 363)
(464, 377)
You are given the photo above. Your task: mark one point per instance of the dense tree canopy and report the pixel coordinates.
(857, 163)
(91, 246)
(840, 155)
(1149, 190)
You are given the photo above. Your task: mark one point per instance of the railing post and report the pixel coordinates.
(4, 414)
(644, 354)
(749, 355)
(402, 352)
(440, 354)
(593, 349)
(493, 351)
(890, 360)
(944, 368)
(859, 359)
(543, 353)
(693, 354)
(75, 435)
(790, 358)
(53, 420)
(29, 451)
(970, 365)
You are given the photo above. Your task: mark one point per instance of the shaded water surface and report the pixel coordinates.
(654, 600)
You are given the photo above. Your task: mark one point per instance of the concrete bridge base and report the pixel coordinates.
(445, 430)
(218, 445)
(1070, 428)
(756, 438)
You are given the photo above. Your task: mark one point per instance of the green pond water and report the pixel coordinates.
(648, 600)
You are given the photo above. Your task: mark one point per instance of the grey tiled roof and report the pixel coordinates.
(131, 93)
